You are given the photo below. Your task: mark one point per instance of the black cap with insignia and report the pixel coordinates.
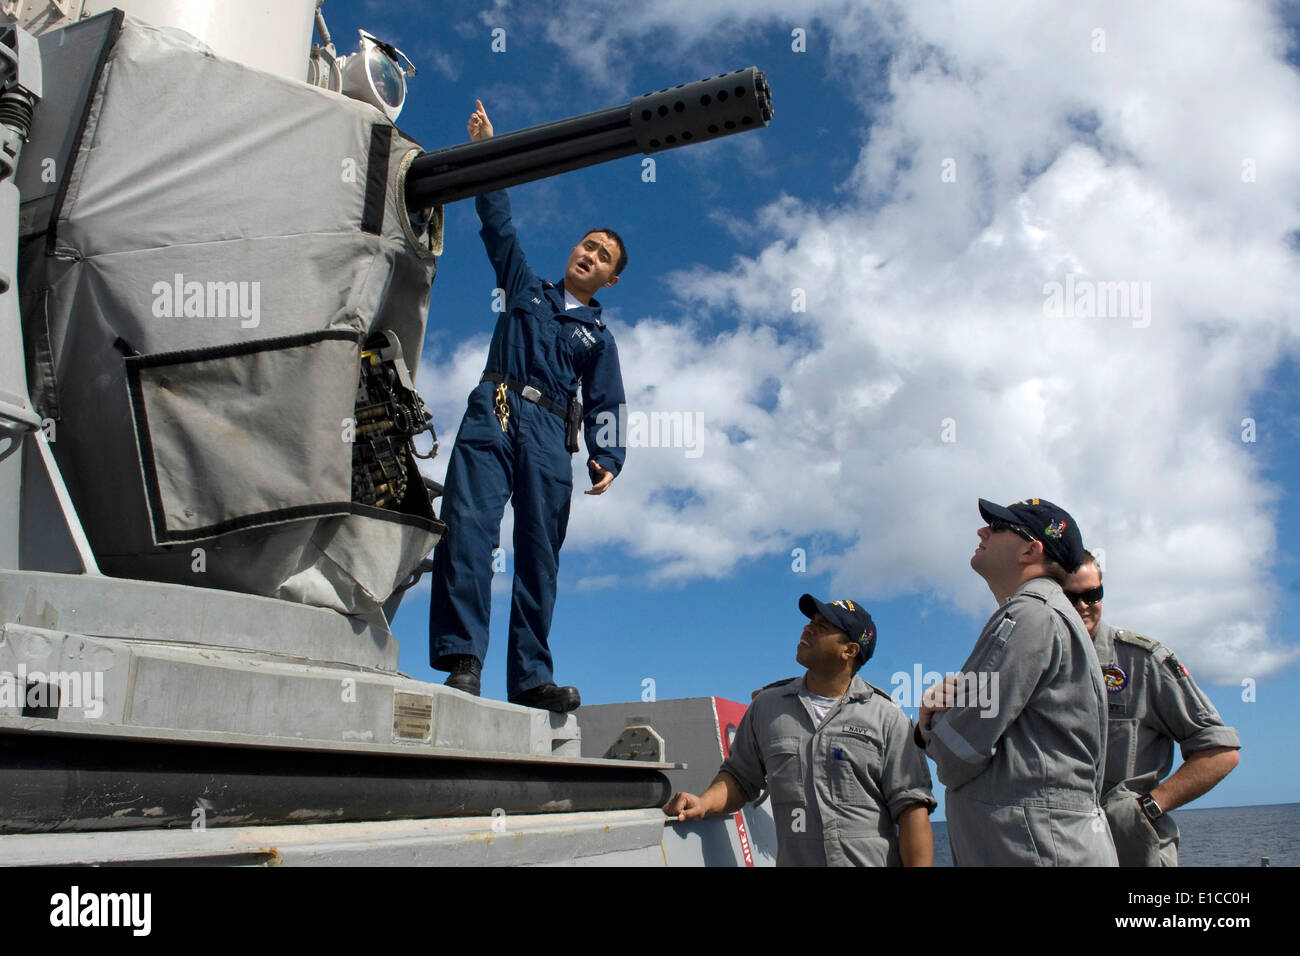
(1049, 523)
(848, 616)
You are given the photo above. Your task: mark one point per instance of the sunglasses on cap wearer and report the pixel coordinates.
(996, 526)
(1091, 596)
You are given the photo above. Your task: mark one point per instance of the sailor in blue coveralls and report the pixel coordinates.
(549, 344)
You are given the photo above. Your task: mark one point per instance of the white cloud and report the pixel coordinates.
(445, 388)
(597, 582)
(925, 302)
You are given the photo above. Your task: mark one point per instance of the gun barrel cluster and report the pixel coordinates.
(683, 115)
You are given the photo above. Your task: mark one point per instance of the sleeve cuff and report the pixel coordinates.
(1208, 737)
(751, 791)
(609, 464)
(909, 797)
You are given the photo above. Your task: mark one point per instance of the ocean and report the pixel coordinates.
(1223, 836)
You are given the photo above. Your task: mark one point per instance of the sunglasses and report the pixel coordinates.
(996, 526)
(1092, 596)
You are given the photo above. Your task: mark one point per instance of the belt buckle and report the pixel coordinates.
(532, 394)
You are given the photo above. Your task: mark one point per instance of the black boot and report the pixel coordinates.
(561, 700)
(466, 671)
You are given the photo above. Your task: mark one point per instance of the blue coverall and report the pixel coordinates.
(537, 342)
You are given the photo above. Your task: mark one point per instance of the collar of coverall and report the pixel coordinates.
(557, 290)
(858, 689)
(1105, 635)
(1039, 587)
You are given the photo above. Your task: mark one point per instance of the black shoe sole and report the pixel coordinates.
(559, 704)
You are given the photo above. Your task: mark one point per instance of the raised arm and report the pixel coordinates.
(498, 231)
(479, 126)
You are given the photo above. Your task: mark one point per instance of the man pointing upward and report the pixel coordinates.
(549, 347)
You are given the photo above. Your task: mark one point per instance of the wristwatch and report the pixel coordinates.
(1150, 807)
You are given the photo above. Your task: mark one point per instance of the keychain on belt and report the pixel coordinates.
(501, 406)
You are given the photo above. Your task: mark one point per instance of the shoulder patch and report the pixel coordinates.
(1137, 640)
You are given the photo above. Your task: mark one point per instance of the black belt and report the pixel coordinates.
(527, 391)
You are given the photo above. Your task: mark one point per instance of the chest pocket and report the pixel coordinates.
(1125, 690)
(784, 759)
(546, 331)
(1119, 706)
(854, 773)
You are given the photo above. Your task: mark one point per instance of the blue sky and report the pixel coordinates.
(931, 169)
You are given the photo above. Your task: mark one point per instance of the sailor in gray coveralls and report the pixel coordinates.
(1024, 775)
(848, 785)
(1153, 702)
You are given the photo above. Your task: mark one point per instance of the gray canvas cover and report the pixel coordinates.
(221, 244)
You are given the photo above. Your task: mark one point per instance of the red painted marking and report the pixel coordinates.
(728, 714)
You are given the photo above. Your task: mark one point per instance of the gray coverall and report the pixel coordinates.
(836, 789)
(1024, 776)
(1153, 701)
